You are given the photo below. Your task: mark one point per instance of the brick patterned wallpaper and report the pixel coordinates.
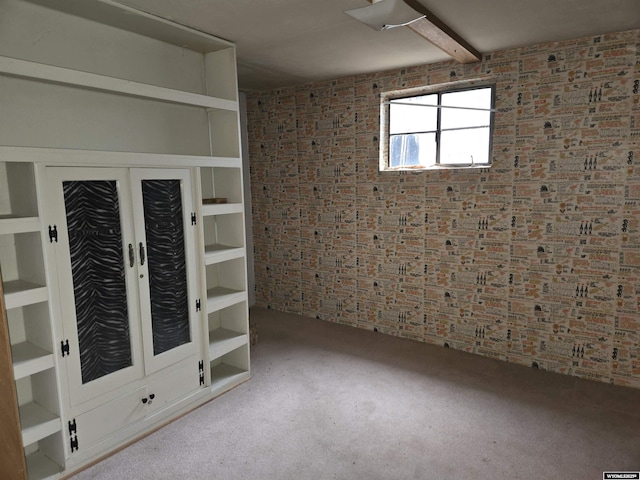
(534, 261)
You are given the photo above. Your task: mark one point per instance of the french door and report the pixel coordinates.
(125, 260)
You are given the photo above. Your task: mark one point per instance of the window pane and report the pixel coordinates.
(412, 150)
(457, 118)
(459, 146)
(413, 118)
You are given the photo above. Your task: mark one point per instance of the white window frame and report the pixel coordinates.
(439, 89)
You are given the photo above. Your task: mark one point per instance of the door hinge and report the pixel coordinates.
(193, 218)
(201, 371)
(64, 346)
(53, 233)
(198, 305)
(73, 435)
(73, 442)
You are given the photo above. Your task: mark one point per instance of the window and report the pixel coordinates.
(436, 129)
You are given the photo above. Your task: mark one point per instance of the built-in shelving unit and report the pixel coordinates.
(28, 317)
(32, 309)
(225, 267)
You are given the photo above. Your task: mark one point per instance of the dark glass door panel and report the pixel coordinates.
(165, 254)
(99, 284)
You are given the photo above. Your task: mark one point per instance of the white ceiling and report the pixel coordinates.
(286, 42)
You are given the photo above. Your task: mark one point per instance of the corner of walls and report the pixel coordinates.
(246, 180)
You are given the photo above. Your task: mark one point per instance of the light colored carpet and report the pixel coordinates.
(328, 401)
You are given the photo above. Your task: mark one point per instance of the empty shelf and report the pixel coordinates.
(41, 467)
(222, 209)
(224, 377)
(29, 359)
(221, 297)
(18, 293)
(12, 224)
(37, 423)
(223, 341)
(66, 76)
(221, 253)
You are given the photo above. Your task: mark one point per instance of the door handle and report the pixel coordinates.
(141, 254)
(132, 255)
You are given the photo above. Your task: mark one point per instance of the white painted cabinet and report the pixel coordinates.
(113, 103)
(125, 257)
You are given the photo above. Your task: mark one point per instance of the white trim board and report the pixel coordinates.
(73, 157)
(76, 78)
(137, 21)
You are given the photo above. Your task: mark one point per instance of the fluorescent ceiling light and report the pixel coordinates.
(386, 14)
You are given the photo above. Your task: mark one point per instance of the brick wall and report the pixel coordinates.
(534, 261)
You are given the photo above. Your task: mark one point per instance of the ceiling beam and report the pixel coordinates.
(434, 30)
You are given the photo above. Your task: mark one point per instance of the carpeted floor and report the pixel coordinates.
(332, 402)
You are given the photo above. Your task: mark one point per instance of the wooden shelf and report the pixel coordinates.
(73, 157)
(10, 224)
(29, 359)
(225, 162)
(224, 377)
(76, 78)
(222, 341)
(222, 209)
(221, 297)
(18, 293)
(110, 12)
(37, 423)
(221, 253)
(41, 467)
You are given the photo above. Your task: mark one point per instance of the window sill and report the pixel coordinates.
(419, 168)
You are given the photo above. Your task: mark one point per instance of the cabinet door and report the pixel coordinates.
(97, 278)
(167, 270)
